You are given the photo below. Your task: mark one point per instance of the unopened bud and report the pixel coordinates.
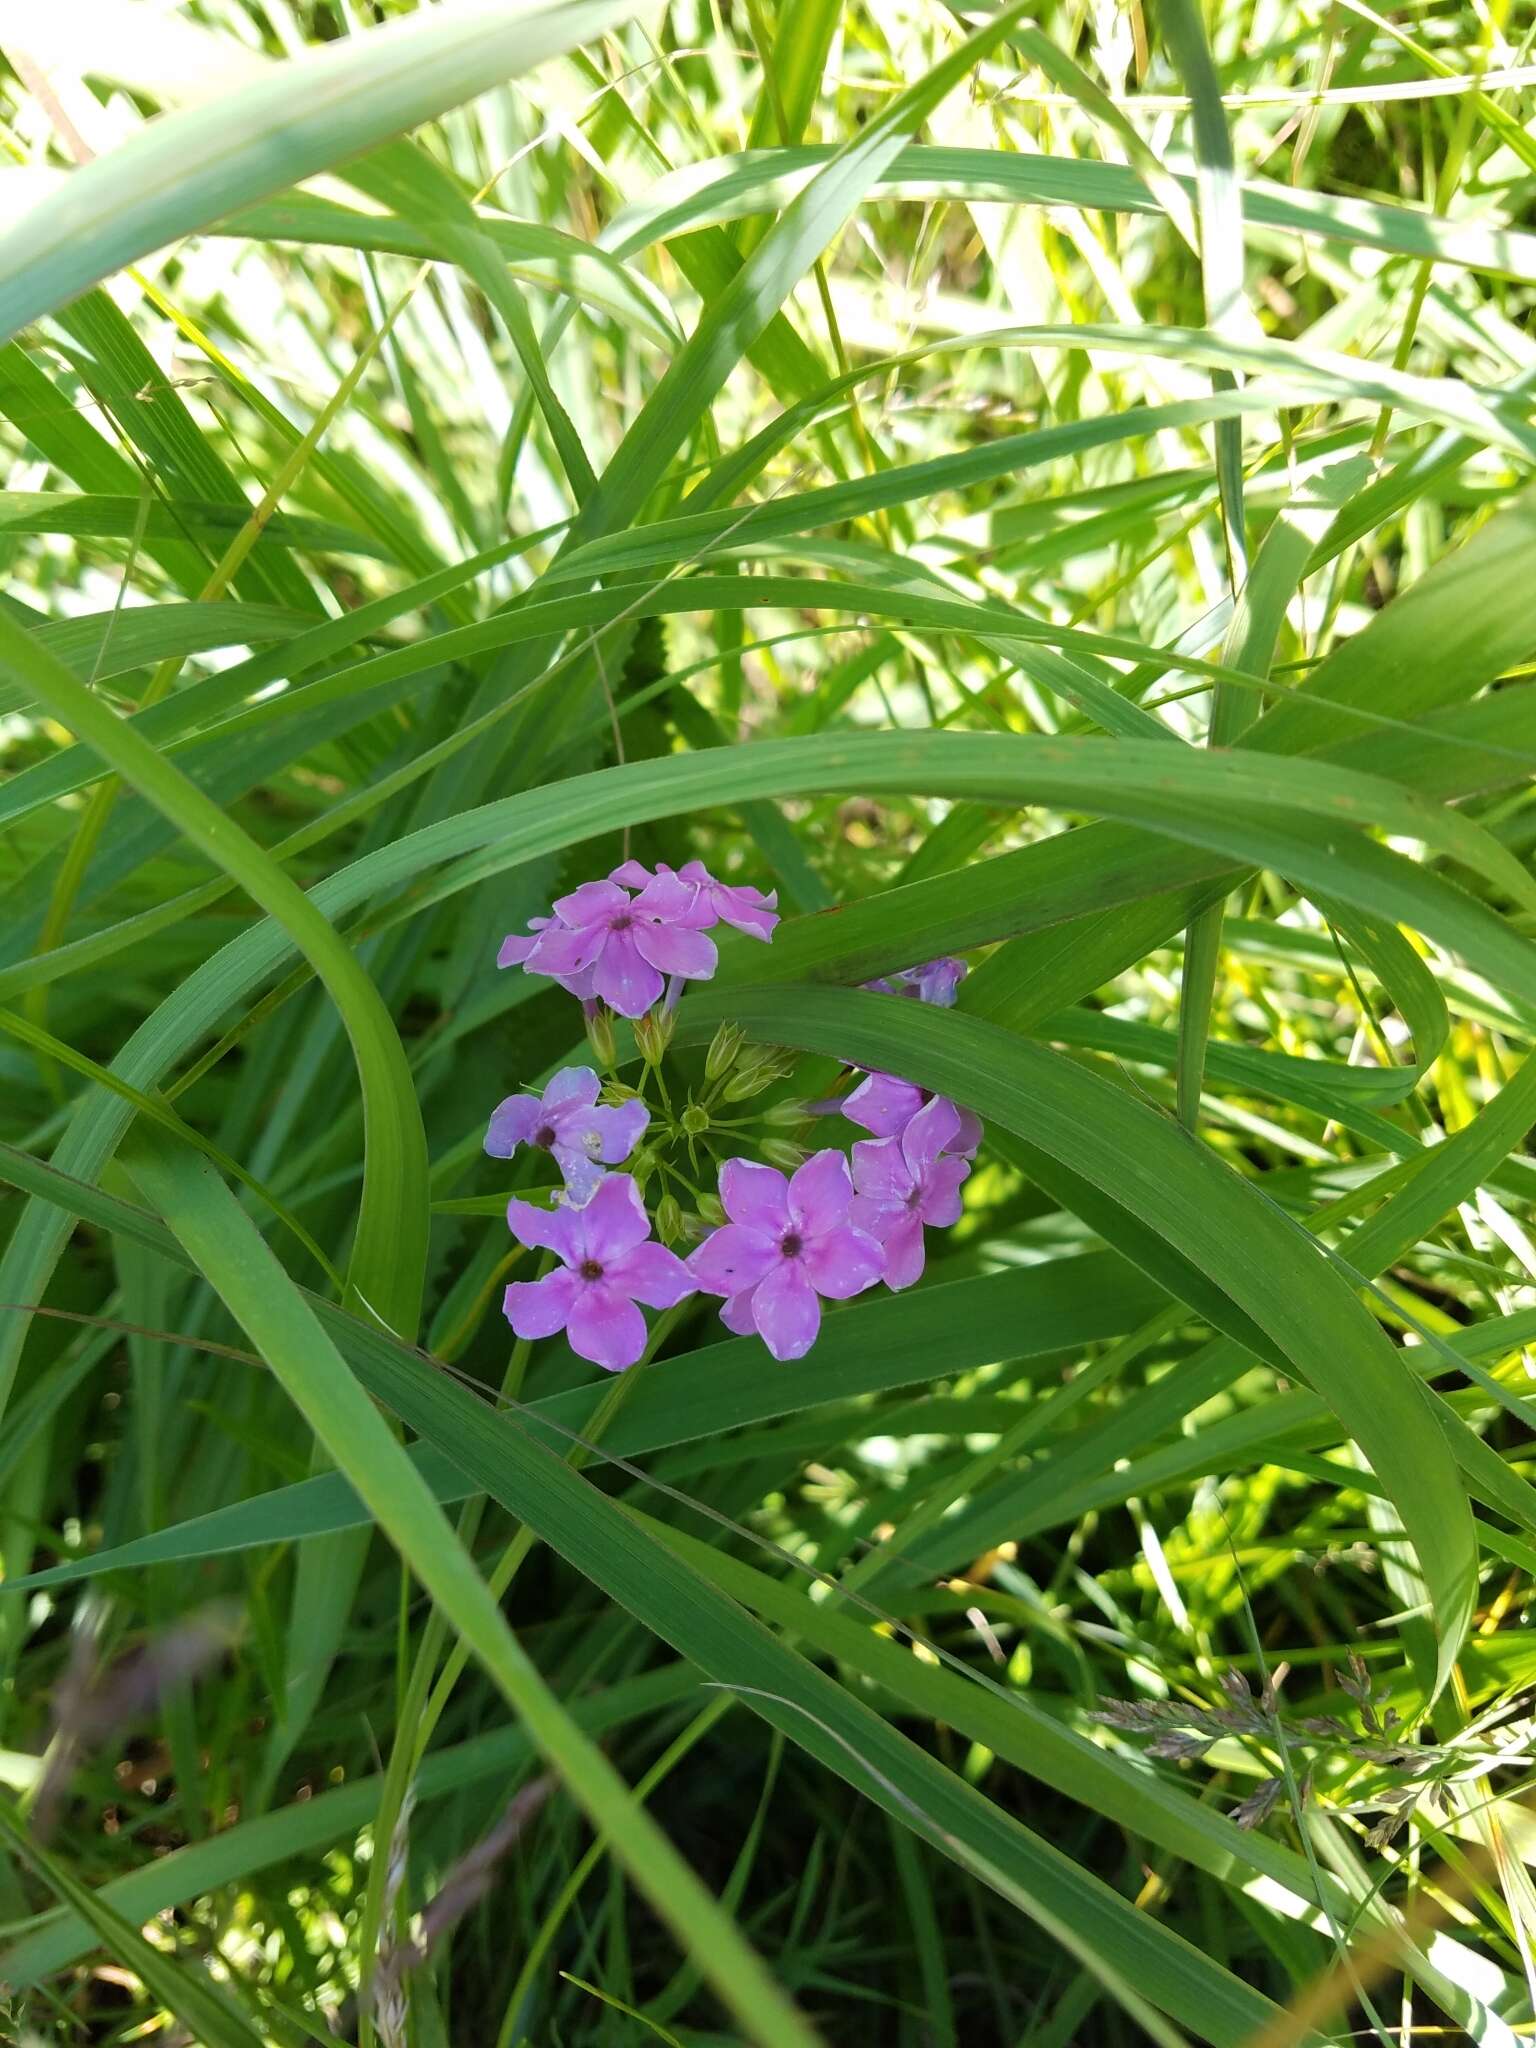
(669, 1219)
(756, 1071)
(694, 1120)
(779, 1152)
(600, 1036)
(784, 1114)
(641, 1167)
(712, 1210)
(653, 1034)
(723, 1048)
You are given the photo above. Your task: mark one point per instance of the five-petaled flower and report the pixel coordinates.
(607, 1265)
(701, 900)
(904, 1182)
(568, 1123)
(627, 943)
(788, 1242)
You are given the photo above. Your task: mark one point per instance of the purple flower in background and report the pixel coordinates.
(934, 982)
(883, 1105)
(708, 902)
(515, 949)
(567, 1122)
(626, 943)
(788, 1242)
(606, 1267)
(907, 1181)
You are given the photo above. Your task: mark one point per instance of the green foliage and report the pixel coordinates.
(1050, 490)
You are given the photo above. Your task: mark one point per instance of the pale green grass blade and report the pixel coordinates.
(270, 134)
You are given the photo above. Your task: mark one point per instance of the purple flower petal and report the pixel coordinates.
(882, 1104)
(652, 1274)
(538, 1308)
(572, 1085)
(969, 1141)
(547, 1230)
(736, 1313)
(631, 874)
(580, 1172)
(615, 1220)
(819, 1192)
(515, 947)
(605, 1328)
(755, 1195)
(592, 903)
(936, 980)
(786, 1310)
(941, 1203)
(513, 1123)
(559, 950)
(843, 1262)
(880, 1171)
(748, 909)
(625, 981)
(904, 1255)
(875, 1218)
(931, 1131)
(733, 1259)
(676, 950)
(620, 1129)
(670, 899)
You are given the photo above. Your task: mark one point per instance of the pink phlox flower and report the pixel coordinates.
(709, 902)
(567, 1122)
(627, 944)
(788, 1243)
(607, 1265)
(904, 1182)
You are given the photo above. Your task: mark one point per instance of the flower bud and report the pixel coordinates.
(642, 1166)
(723, 1048)
(712, 1210)
(653, 1034)
(784, 1114)
(755, 1071)
(600, 1036)
(779, 1152)
(669, 1219)
(694, 1120)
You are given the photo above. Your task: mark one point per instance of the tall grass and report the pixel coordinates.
(1048, 492)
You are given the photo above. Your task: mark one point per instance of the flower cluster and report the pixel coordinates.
(781, 1233)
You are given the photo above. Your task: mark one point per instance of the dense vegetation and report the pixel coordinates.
(1048, 494)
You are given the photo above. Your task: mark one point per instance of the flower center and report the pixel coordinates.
(545, 1136)
(914, 1198)
(589, 1269)
(622, 922)
(792, 1244)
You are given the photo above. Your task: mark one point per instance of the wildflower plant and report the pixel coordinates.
(778, 1233)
